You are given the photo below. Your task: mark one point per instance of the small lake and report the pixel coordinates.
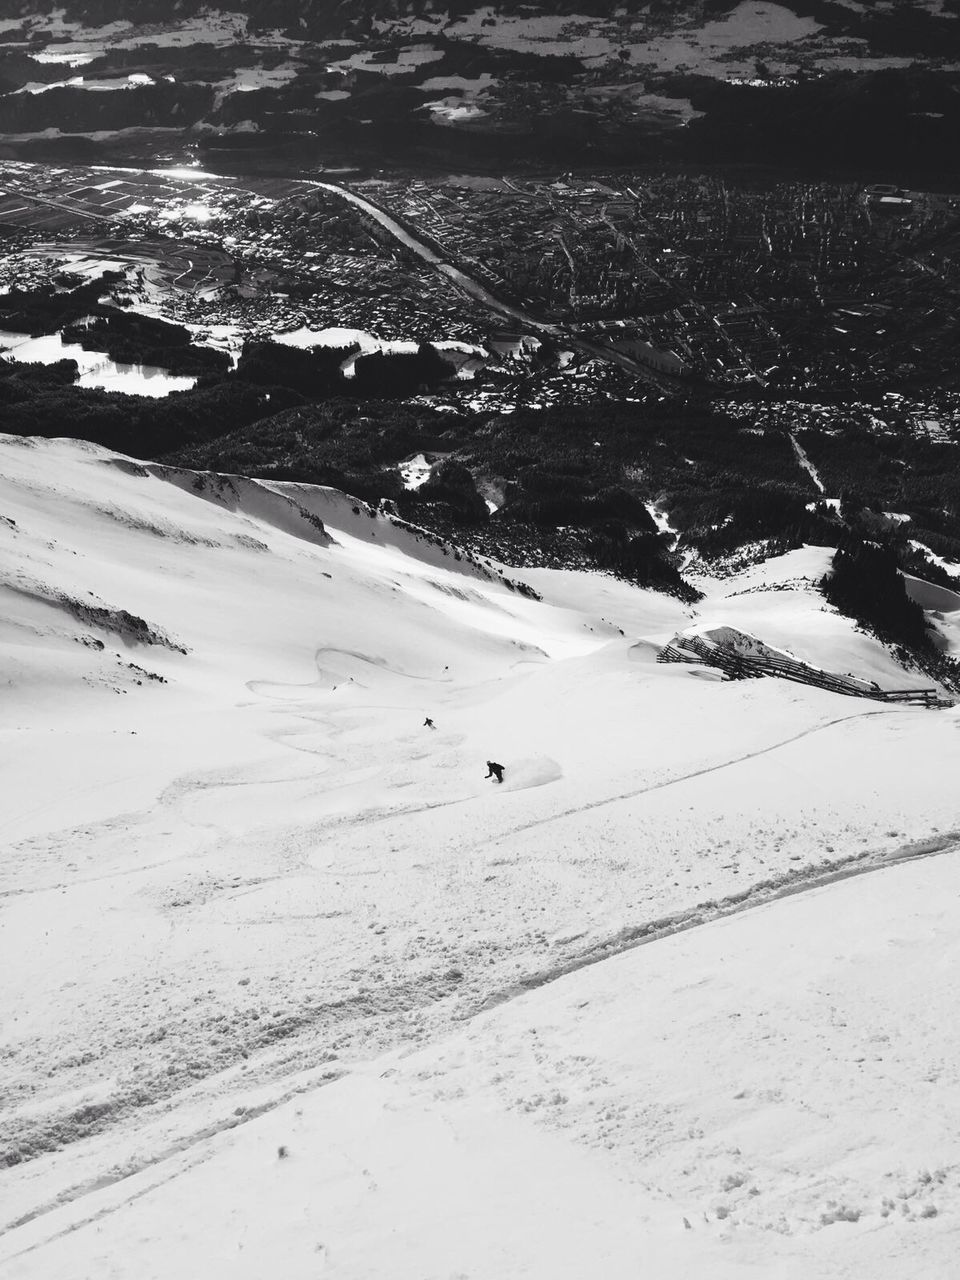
(95, 368)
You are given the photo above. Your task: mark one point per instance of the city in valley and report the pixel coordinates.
(686, 282)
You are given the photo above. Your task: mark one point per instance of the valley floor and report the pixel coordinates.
(264, 874)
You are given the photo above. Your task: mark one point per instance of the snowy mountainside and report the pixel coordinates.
(237, 864)
(757, 1097)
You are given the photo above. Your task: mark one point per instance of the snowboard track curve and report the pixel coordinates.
(763, 893)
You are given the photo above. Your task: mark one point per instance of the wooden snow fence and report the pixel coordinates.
(740, 666)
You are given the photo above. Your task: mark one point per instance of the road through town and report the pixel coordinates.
(487, 299)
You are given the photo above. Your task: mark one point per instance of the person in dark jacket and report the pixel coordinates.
(494, 770)
(428, 723)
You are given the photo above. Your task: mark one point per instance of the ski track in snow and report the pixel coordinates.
(756, 895)
(633, 936)
(688, 777)
(632, 794)
(403, 812)
(190, 1146)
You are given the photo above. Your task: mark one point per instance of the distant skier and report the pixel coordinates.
(428, 723)
(494, 770)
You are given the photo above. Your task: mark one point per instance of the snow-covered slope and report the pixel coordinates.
(264, 871)
(775, 1095)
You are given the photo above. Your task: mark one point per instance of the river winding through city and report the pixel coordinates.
(482, 295)
(464, 282)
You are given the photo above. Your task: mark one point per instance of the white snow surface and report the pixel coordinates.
(220, 893)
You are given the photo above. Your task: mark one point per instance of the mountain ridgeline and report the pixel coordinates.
(910, 28)
(313, 18)
(568, 83)
(318, 18)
